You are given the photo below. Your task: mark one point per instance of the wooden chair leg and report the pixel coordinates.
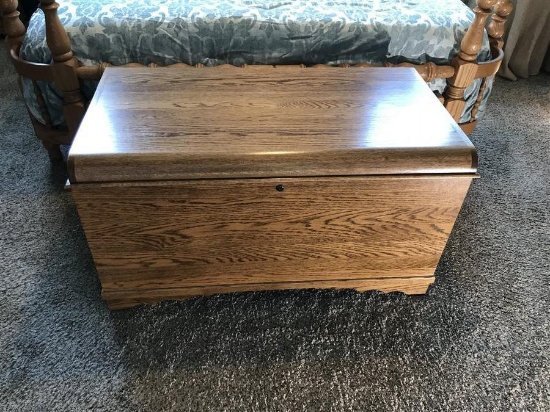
(54, 151)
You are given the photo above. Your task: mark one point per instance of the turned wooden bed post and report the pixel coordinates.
(14, 28)
(466, 62)
(15, 31)
(495, 29)
(497, 26)
(64, 71)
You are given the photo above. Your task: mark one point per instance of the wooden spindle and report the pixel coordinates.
(497, 26)
(64, 67)
(428, 71)
(473, 39)
(479, 99)
(56, 36)
(465, 63)
(13, 26)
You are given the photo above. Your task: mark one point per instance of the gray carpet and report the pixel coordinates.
(478, 341)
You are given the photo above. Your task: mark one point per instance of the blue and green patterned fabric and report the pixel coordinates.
(239, 32)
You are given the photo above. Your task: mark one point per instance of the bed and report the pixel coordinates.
(62, 54)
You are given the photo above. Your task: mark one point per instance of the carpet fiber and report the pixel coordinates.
(478, 341)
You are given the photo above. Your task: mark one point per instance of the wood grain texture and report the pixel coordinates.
(235, 123)
(243, 234)
(210, 181)
(121, 299)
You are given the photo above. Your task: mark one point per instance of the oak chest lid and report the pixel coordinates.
(204, 123)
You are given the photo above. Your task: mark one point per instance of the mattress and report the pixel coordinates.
(238, 32)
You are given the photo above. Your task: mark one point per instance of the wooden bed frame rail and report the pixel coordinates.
(66, 72)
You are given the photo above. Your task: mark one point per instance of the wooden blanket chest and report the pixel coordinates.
(193, 181)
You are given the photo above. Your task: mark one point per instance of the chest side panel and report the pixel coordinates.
(245, 234)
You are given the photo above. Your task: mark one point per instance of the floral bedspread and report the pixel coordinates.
(239, 32)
